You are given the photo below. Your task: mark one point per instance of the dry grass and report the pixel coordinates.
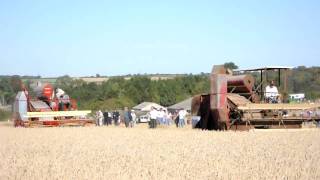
(141, 153)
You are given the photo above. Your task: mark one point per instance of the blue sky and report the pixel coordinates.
(79, 38)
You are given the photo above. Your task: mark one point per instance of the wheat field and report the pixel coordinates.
(163, 153)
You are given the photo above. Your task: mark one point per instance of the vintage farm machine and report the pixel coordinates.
(237, 102)
(47, 109)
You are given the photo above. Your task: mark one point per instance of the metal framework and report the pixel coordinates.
(264, 78)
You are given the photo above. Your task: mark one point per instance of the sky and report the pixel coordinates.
(84, 38)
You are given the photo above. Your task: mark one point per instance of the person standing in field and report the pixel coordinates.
(165, 117)
(127, 117)
(105, 118)
(131, 121)
(116, 117)
(182, 115)
(153, 118)
(119, 119)
(169, 118)
(160, 116)
(134, 117)
(109, 119)
(99, 118)
(175, 117)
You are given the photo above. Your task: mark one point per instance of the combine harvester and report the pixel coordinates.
(235, 102)
(48, 109)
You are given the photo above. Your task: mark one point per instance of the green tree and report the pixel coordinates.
(230, 65)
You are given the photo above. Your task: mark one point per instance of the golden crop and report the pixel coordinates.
(163, 153)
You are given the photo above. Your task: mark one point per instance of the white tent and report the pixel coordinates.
(146, 106)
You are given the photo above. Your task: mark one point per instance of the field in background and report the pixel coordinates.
(99, 80)
(164, 153)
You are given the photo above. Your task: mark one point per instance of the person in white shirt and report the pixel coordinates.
(165, 117)
(109, 118)
(169, 118)
(134, 116)
(182, 115)
(153, 117)
(59, 92)
(99, 115)
(272, 93)
(161, 114)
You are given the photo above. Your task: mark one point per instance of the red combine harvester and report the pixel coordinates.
(235, 102)
(49, 108)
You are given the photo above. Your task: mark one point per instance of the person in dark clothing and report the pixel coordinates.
(176, 119)
(61, 104)
(127, 116)
(66, 102)
(105, 118)
(115, 117)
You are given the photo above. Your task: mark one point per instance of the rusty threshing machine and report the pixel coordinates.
(236, 102)
(47, 109)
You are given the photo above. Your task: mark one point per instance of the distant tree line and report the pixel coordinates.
(305, 80)
(118, 92)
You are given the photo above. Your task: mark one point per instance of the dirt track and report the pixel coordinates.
(166, 153)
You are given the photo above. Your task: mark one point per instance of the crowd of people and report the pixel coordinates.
(160, 116)
(107, 118)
